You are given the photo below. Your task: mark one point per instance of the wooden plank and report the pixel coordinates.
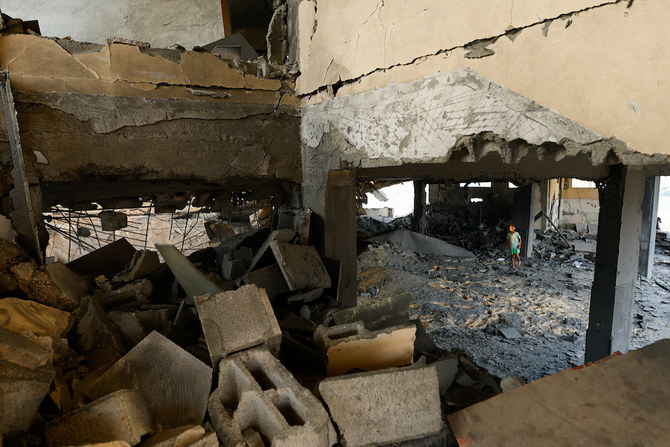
(622, 400)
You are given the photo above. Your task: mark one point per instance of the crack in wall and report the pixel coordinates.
(512, 33)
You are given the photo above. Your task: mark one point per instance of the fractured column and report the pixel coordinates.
(612, 293)
(419, 215)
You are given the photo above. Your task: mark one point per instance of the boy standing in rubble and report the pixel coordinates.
(513, 243)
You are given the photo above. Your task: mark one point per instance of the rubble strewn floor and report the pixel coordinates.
(529, 321)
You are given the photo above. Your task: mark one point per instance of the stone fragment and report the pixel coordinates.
(447, 368)
(11, 254)
(22, 351)
(175, 384)
(23, 315)
(136, 292)
(384, 407)
(54, 284)
(261, 256)
(380, 314)
(510, 382)
(21, 392)
(351, 347)
(112, 220)
(269, 278)
(209, 440)
(301, 265)
(176, 437)
(95, 328)
(258, 398)
(143, 263)
(237, 320)
(133, 326)
(120, 416)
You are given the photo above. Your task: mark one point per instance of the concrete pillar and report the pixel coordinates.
(340, 231)
(419, 216)
(523, 215)
(617, 255)
(652, 188)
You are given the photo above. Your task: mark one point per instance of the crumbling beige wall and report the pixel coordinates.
(602, 64)
(162, 23)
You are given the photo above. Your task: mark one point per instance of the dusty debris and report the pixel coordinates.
(384, 407)
(165, 369)
(122, 415)
(420, 243)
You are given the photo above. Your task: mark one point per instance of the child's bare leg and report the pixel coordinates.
(519, 258)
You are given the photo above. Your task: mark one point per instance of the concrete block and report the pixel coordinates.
(237, 320)
(23, 351)
(121, 416)
(258, 398)
(143, 263)
(350, 346)
(301, 266)
(174, 383)
(23, 315)
(95, 328)
(269, 278)
(176, 437)
(283, 235)
(382, 313)
(54, 284)
(384, 407)
(21, 392)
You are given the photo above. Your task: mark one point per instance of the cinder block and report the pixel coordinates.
(350, 346)
(258, 398)
(383, 407)
(237, 320)
(122, 416)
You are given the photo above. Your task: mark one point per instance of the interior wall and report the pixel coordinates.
(162, 23)
(602, 55)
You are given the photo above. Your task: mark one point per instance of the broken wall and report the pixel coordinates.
(126, 113)
(162, 23)
(579, 205)
(602, 55)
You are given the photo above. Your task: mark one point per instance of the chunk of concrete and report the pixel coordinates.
(176, 437)
(54, 284)
(21, 392)
(121, 416)
(95, 328)
(174, 383)
(510, 382)
(136, 292)
(134, 325)
(301, 265)
(447, 368)
(23, 351)
(384, 407)
(346, 350)
(112, 220)
(379, 314)
(283, 235)
(269, 278)
(23, 315)
(192, 280)
(422, 244)
(209, 440)
(258, 398)
(108, 260)
(237, 320)
(143, 263)
(11, 254)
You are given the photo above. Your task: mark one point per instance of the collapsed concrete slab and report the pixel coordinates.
(350, 347)
(422, 244)
(174, 384)
(108, 260)
(259, 399)
(122, 416)
(143, 263)
(21, 390)
(19, 315)
(620, 400)
(237, 320)
(384, 407)
(379, 314)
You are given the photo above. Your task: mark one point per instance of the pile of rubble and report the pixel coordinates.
(237, 346)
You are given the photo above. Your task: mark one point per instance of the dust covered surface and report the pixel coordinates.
(467, 305)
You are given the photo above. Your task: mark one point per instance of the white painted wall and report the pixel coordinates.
(162, 23)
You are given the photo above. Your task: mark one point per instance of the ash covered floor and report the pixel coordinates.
(529, 321)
